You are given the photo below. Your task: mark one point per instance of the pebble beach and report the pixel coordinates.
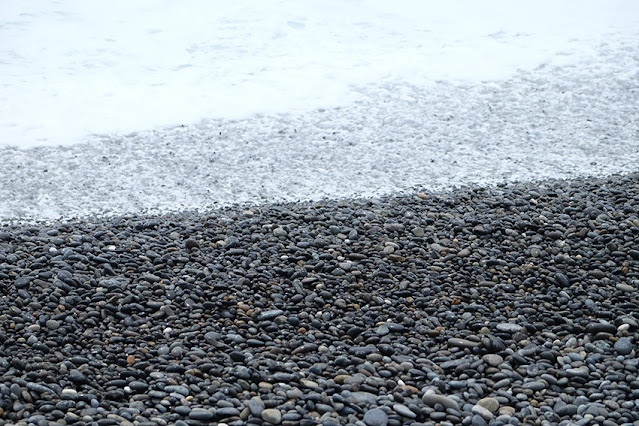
(507, 304)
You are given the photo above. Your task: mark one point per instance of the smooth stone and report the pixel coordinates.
(256, 406)
(626, 288)
(489, 403)
(404, 411)
(138, 386)
(418, 231)
(509, 327)
(201, 414)
(535, 385)
(267, 315)
(502, 383)
(623, 346)
(465, 252)
(382, 330)
(375, 417)
(309, 384)
(182, 390)
(600, 327)
(39, 388)
(478, 420)
(52, 324)
(462, 343)
(191, 244)
(493, 360)
(506, 411)
(76, 376)
(430, 398)
(582, 371)
(280, 232)
(227, 412)
(483, 412)
(362, 397)
(22, 282)
(566, 410)
(272, 415)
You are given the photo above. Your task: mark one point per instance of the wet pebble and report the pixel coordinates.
(501, 305)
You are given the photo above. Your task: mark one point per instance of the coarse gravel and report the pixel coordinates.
(508, 304)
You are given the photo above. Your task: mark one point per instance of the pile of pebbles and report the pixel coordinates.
(514, 304)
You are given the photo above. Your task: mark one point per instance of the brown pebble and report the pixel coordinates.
(412, 389)
(130, 359)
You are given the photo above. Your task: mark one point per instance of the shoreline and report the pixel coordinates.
(512, 303)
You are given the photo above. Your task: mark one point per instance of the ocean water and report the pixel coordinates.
(70, 69)
(124, 107)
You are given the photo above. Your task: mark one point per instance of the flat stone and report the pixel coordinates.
(626, 288)
(359, 397)
(508, 327)
(462, 343)
(227, 412)
(482, 411)
(256, 406)
(404, 411)
(463, 252)
(418, 231)
(309, 384)
(138, 386)
(582, 371)
(267, 315)
(40, 388)
(600, 327)
(201, 414)
(534, 385)
(430, 398)
(182, 390)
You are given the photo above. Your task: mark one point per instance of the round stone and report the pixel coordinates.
(376, 417)
(191, 244)
(272, 415)
(493, 360)
(491, 404)
(418, 231)
(52, 324)
(623, 346)
(280, 232)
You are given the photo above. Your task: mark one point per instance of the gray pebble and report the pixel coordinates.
(623, 346)
(375, 417)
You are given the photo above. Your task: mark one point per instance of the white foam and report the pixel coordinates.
(70, 68)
